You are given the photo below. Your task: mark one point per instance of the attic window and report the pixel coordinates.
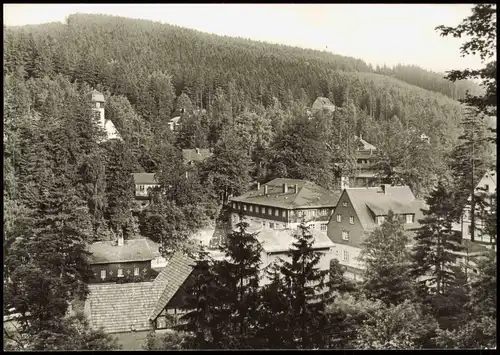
(409, 218)
(344, 204)
(120, 273)
(103, 274)
(380, 220)
(136, 271)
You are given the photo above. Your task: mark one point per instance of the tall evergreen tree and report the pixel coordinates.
(471, 158)
(201, 304)
(435, 255)
(239, 274)
(387, 261)
(306, 290)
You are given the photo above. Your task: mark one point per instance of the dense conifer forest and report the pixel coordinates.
(251, 103)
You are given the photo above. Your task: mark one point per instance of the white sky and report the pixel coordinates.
(376, 33)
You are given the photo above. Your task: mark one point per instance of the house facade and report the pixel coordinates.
(140, 306)
(284, 204)
(132, 258)
(366, 175)
(323, 103)
(487, 186)
(359, 211)
(144, 183)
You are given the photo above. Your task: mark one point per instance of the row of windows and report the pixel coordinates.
(339, 219)
(409, 218)
(119, 273)
(269, 211)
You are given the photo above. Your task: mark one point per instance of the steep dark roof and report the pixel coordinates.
(372, 201)
(177, 271)
(144, 178)
(131, 250)
(199, 155)
(309, 195)
(121, 307)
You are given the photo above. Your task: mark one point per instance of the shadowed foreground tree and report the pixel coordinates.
(481, 28)
(387, 260)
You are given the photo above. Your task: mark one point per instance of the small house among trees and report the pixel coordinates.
(131, 259)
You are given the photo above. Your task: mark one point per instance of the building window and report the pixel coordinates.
(409, 218)
(346, 255)
(271, 225)
(344, 204)
(380, 220)
(276, 212)
(251, 208)
(283, 214)
(339, 218)
(244, 207)
(312, 225)
(323, 226)
(161, 322)
(120, 273)
(345, 235)
(487, 187)
(351, 220)
(103, 274)
(141, 188)
(313, 213)
(136, 271)
(234, 205)
(269, 211)
(299, 213)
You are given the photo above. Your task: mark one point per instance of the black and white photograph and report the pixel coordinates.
(223, 176)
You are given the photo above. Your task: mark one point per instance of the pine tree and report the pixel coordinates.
(119, 189)
(387, 262)
(201, 304)
(471, 158)
(434, 257)
(273, 328)
(239, 274)
(306, 291)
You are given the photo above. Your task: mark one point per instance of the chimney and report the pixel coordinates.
(265, 189)
(296, 189)
(258, 186)
(285, 188)
(120, 239)
(197, 151)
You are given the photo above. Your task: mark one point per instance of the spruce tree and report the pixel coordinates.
(306, 290)
(387, 262)
(434, 256)
(201, 304)
(471, 158)
(274, 331)
(239, 274)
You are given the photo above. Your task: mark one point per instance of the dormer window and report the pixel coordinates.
(410, 218)
(380, 220)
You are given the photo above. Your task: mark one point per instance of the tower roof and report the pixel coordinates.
(96, 96)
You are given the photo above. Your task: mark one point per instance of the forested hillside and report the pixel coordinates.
(249, 101)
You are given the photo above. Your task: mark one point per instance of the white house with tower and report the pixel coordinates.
(98, 106)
